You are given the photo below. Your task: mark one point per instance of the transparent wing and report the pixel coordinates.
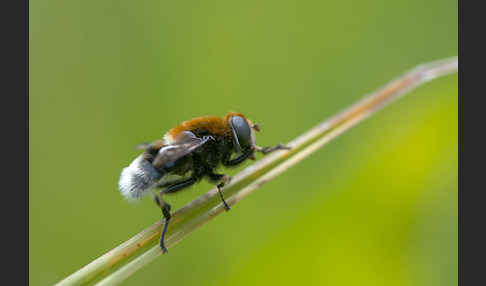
(186, 143)
(157, 144)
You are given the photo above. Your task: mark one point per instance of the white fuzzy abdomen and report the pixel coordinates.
(138, 179)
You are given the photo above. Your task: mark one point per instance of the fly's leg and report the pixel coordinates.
(220, 186)
(180, 185)
(269, 149)
(165, 207)
(266, 150)
(236, 161)
(170, 183)
(225, 179)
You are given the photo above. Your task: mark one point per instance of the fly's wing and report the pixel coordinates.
(186, 143)
(157, 144)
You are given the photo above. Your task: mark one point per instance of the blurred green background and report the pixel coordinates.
(377, 206)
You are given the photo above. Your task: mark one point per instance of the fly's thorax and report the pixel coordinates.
(212, 125)
(210, 155)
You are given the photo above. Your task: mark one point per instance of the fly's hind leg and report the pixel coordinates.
(165, 207)
(223, 179)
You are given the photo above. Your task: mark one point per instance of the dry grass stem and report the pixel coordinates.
(124, 260)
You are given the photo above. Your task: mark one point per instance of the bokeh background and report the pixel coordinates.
(377, 206)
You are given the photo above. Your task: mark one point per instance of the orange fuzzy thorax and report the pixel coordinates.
(212, 124)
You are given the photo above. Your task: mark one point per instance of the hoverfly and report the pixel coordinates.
(191, 151)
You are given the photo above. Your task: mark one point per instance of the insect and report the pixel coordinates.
(191, 151)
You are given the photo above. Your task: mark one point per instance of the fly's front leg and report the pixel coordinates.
(237, 160)
(269, 149)
(225, 179)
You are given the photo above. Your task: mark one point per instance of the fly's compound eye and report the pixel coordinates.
(241, 132)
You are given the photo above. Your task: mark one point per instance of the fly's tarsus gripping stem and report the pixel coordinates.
(269, 149)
